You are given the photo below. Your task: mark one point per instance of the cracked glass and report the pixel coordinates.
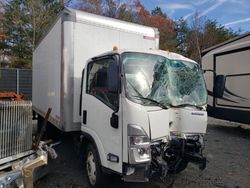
(156, 78)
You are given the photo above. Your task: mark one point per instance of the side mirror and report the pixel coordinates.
(219, 86)
(113, 78)
(114, 121)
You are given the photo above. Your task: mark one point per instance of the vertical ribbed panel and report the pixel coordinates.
(15, 127)
(16, 80)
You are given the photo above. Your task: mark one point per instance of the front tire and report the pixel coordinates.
(93, 167)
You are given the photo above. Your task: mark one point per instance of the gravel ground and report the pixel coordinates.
(227, 150)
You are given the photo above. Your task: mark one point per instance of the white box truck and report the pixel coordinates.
(139, 111)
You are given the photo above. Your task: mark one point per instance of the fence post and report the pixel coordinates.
(17, 81)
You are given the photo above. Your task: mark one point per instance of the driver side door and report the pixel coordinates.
(99, 102)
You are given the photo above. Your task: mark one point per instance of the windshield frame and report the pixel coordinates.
(131, 98)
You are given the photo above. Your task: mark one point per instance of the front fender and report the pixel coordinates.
(89, 136)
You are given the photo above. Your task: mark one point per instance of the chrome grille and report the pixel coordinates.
(15, 127)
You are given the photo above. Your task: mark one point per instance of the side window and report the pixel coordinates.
(101, 79)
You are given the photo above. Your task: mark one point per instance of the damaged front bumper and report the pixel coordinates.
(20, 172)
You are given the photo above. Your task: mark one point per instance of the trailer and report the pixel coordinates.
(231, 58)
(135, 110)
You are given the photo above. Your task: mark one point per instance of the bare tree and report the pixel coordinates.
(204, 33)
(93, 6)
(195, 37)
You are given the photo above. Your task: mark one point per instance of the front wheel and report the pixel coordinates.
(93, 167)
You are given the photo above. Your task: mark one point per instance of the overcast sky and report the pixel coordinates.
(230, 13)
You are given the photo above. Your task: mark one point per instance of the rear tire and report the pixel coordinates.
(93, 167)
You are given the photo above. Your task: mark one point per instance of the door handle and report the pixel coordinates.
(84, 117)
(114, 120)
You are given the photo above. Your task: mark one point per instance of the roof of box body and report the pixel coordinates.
(69, 14)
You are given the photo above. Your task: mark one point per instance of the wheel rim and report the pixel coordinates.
(91, 168)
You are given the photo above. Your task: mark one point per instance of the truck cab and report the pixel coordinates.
(143, 114)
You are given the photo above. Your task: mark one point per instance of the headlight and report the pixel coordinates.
(138, 140)
(139, 145)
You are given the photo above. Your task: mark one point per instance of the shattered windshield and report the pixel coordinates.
(152, 79)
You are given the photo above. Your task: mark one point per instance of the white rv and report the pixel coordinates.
(138, 111)
(232, 59)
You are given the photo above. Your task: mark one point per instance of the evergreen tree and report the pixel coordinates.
(158, 12)
(24, 23)
(182, 30)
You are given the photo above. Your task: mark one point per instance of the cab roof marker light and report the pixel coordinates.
(115, 48)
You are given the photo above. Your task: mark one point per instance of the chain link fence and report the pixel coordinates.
(16, 80)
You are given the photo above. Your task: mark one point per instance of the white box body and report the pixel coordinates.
(60, 57)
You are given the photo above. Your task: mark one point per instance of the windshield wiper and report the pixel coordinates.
(148, 99)
(153, 101)
(184, 105)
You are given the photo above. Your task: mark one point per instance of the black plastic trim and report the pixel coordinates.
(80, 105)
(84, 117)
